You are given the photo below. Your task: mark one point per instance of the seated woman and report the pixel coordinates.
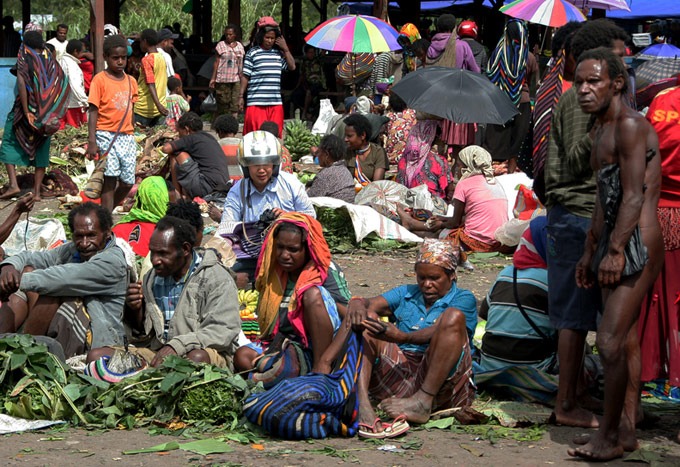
(365, 160)
(303, 294)
(419, 361)
(479, 207)
(518, 329)
(419, 164)
(151, 202)
(334, 180)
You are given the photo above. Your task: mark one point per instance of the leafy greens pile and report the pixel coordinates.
(34, 384)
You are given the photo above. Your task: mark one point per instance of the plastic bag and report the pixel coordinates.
(510, 233)
(420, 198)
(527, 204)
(42, 234)
(209, 104)
(326, 114)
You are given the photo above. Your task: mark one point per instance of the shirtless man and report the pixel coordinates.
(620, 136)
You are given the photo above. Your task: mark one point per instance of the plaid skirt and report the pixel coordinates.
(401, 374)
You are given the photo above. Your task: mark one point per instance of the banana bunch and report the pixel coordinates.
(247, 303)
(299, 139)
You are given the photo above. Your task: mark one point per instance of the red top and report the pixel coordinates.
(664, 115)
(137, 234)
(88, 71)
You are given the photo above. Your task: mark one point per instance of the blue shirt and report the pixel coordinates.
(408, 307)
(263, 69)
(284, 191)
(167, 292)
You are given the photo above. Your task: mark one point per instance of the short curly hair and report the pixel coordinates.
(563, 36)
(190, 120)
(188, 211)
(360, 124)
(225, 125)
(113, 42)
(85, 209)
(596, 33)
(615, 66)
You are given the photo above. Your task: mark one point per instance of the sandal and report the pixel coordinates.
(368, 431)
(398, 427)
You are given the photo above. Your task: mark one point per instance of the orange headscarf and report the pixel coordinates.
(271, 280)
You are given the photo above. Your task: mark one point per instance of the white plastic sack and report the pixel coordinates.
(365, 220)
(510, 233)
(420, 198)
(326, 113)
(42, 234)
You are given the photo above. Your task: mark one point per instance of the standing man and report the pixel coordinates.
(59, 41)
(570, 192)
(150, 108)
(166, 42)
(624, 247)
(77, 102)
(226, 75)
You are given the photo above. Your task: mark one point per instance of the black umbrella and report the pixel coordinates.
(455, 94)
(652, 71)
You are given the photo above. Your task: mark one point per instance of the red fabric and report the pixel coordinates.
(88, 72)
(257, 114)
(658, 325)
(664, 115)
(73, 117)
(137, 234)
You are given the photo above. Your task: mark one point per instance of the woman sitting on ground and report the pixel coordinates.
(365, 160)
(303, 294)
(334, 180)
(479, 207)
(420, 165)
(151, 202)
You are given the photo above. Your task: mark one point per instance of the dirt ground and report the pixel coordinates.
(368, 275)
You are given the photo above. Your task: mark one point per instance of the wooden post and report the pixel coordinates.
(234, 16)
(25, 12)
(97, 33)
(324, 10)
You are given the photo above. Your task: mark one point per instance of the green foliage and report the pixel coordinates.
(34, 384)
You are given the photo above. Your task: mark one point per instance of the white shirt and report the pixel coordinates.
(168, 62)
(71, 66)
(59, 47)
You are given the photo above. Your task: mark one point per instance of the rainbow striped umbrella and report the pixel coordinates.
(354, 33)
(554, 13)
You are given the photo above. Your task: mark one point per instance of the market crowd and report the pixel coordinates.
(597, 247)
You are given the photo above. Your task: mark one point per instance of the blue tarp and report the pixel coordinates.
(366, 8)
(649, 9)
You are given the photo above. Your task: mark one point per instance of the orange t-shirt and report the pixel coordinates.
(112, 97)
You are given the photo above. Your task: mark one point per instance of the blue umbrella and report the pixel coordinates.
(659, 51)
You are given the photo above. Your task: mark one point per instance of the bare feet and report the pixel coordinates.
(598, 449)
(11, 192)
(627, 440)
(591, 403)
(416, 408)
(577, 416)
(368, 420)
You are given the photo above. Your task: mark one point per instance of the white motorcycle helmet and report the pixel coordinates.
(259, 148)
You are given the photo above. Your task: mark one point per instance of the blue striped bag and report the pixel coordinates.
(314, 405)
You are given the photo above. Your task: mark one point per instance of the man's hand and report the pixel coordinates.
(133, 296)
(379, 329)
(357, 313)
(25, 203)
(241, 103)
(10, 279)
(584, 277)
(165, 351)
(164, 111)
(610, 270)
(211, 84)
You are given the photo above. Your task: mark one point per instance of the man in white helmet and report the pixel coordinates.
(263, 187)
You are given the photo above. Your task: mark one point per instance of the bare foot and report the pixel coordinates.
(368, 420)
(598, 449)
(578, 417)
(591, 403)
(627, 440)
(11, 192)
(416, 409)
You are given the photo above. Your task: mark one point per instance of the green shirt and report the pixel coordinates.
(569, 178)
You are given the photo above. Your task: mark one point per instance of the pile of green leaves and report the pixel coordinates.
(339, 233)
(34, 384)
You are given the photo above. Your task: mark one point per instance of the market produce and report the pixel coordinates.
(247, 300)
(299, 139)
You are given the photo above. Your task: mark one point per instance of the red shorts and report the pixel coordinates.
(257, 114)
(73, 117)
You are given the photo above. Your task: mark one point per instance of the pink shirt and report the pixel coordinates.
(229, 62)
(486, 207)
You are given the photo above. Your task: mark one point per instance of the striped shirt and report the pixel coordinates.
(263, 69)
(509, 338)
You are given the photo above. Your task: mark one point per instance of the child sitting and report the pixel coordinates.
(176, 102)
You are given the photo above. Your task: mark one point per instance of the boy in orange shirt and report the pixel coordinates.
(111, 131)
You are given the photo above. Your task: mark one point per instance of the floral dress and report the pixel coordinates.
(397, 132)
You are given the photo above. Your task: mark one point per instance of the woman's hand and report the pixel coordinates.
(357, 313)
(280, 42)
(379, 329)
(241, 104)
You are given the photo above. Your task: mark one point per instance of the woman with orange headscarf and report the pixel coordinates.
(303, 296)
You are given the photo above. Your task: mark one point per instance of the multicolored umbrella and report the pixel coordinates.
(657, 51)
(602, 4)
(554, 13)
(354, 33)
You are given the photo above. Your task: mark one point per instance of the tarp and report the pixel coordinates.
(366, 8)
(651, 9)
